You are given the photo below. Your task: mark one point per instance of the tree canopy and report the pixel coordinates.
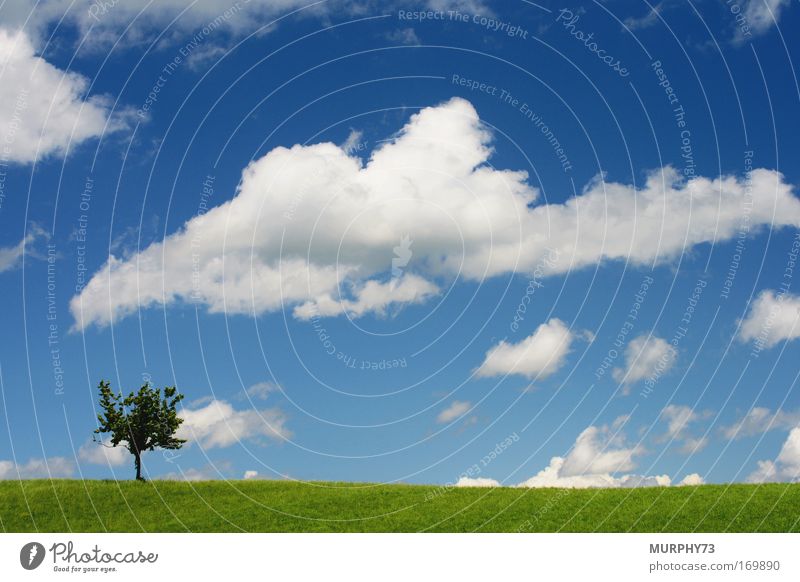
(141, 421)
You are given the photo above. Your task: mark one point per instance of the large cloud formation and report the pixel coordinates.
(314, 228)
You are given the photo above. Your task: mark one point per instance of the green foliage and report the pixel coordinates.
(141, 421)
(289, 506)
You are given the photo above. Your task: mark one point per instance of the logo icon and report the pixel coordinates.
(31, 555)
(402, 255)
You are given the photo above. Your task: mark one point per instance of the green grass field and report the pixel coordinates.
(283, 506)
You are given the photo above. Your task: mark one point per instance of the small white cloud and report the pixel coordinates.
(406, 36)
(761, 15)
(692, 479)
(477, 482)
(772, 318)
(262, 390)
(250, 475)
(646, 357)
(11, 256)
(51, 467)
(539, 355)
(456, 409)
(648, 19)
(207, 473)
(353, 142)
(679, 420)
(102, 453)
(218, 424)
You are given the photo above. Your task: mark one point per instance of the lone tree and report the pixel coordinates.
(141, 421)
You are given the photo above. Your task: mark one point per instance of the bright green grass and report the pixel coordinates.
(282, 506)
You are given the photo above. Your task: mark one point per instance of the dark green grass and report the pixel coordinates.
(283, 506)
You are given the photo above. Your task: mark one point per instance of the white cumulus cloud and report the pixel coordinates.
(600, 457)
(218, 424)
(11, 256)
(786, 467)
(44, 109)
(55, 467)
(772, 318)
(262, 390)
(477, 482)
(679, 421)
(692, 479)
(456, 409)
(759, 420)
(313, 228)
(646, 357)
(761, 15)
(102, 453)
(599, 450)
(539, 355)
(553, 476)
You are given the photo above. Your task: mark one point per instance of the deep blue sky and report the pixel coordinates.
(316, 78)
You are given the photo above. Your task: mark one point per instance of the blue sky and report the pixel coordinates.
(456, 241)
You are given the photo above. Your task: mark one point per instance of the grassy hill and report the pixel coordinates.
(283, 506)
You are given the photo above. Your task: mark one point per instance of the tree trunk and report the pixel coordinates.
(138, 467)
